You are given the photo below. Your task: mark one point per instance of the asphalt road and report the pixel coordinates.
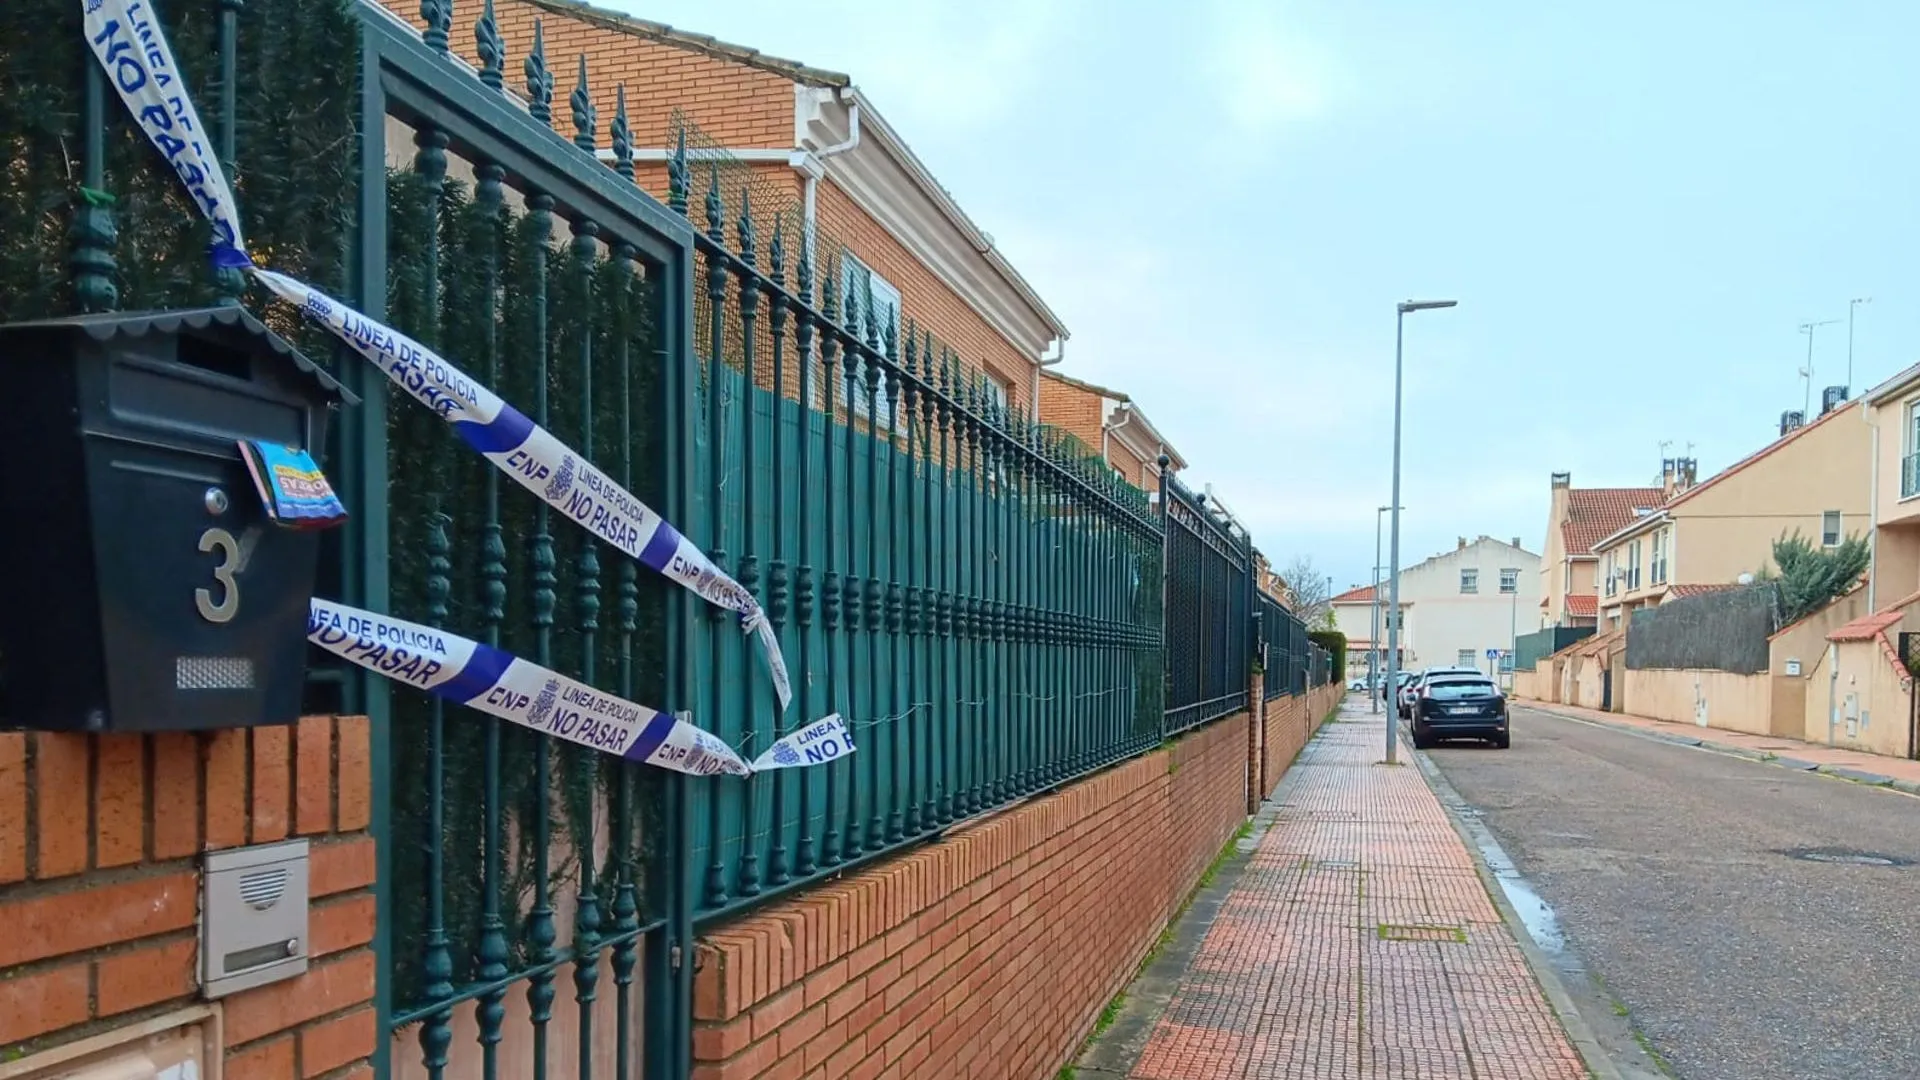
(1672, 873)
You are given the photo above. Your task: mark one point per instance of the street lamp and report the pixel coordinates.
(1373, 643)
(1393, 564)
(1851, 305)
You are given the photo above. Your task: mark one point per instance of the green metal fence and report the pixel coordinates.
(992, 612)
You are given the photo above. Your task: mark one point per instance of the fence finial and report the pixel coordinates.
(585, 117)
(438, 15)
(492, 48)
(679, 180)
(620, 135)
(744, 229)
(539, 79)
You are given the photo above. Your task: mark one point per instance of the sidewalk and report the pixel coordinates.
(1358, 942)
(1789, 753)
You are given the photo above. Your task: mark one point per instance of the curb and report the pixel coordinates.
(1838, 772)
(1598, 1062)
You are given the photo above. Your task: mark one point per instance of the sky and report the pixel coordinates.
(1636, 206)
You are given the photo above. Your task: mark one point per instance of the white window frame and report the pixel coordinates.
(1838, 533)
(1467, 658)
(1509, 580)
(1470, 581)
(855, 279)
(1611, 584)
(1633, 566)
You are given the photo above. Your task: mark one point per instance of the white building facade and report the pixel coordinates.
(1455, 608)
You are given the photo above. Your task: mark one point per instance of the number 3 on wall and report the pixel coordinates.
(232, 561)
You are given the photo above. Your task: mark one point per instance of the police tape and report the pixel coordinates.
(129, 43)
(537, 461)
(496, 682)
(125, 36)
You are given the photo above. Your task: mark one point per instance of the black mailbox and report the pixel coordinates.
(142, 585)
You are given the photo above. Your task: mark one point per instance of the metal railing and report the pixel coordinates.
(1910, 475)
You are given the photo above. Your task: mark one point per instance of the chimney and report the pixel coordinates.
(1792, 420)
(1686, 470)
(1463, 544)
(1562, 479)
(1666, 475)
(1516, 541)
(1832, 398)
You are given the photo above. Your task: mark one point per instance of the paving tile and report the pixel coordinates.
(1359, 942)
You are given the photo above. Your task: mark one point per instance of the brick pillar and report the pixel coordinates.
(1256, 742)
(100, 844)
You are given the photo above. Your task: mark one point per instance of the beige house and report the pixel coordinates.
(1455, 606)
(1808, 480)
(1893, 414)
(1579, 518)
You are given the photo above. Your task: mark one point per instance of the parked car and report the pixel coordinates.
(1459, 706)
(1410, 690)
(1357, 684)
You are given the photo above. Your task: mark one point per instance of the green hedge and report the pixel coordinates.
(1334, 642)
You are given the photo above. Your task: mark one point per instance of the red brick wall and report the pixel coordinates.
(1071, 408)
(924, 297)
(989, 953)
(99, 886)
(737, 106)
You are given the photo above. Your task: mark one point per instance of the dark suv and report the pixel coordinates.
(1460, 707)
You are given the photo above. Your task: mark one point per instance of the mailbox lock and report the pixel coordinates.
(216, 501)
(293, 946)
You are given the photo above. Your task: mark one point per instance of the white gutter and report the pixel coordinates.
(814, 168)
(981, 242)
(807, 163)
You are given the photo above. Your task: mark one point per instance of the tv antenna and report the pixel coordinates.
(1806, 373)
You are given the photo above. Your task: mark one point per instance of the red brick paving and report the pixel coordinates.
(1303, 974)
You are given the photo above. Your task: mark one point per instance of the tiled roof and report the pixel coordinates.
(1593, 514)
(1676, 592)
(1361, 595)
(1867, 627)
(1583, 604)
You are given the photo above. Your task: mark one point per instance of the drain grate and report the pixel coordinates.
(1846, 856)
(1418, 932)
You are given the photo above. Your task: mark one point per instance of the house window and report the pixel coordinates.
(1465, 658)
(1662, 541)
(1830, 529)
(996, 396)
(1469, 581)
(1633, 566)
(1509, 580)
(1910, 460)
(1609, 576)
(875, 303)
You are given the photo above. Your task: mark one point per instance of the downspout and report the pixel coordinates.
(1873, 516)
(1059, 354)
(1107, 431)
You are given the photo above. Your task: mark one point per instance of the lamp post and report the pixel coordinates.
(1393, 563)
(1851, 305)
(1373, 643)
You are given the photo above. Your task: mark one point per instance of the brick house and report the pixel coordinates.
(814, 151)
(1111, 424)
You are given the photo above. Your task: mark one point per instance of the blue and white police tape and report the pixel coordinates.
(500, 684)
(129, 43)
(125, 36)
(537, 460)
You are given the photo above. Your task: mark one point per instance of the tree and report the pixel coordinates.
(1810, 577)
(1309, 593)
